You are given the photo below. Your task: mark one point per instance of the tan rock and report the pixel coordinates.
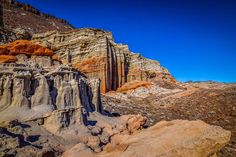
(79, 150)
(132, 85)
(42, 93)
(170, 139)
(136, 123)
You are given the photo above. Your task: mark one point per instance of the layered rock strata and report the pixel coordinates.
(94, 52)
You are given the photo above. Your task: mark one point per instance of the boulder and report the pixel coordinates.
(174, 138)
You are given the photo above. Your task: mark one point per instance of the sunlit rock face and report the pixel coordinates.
(94, 52)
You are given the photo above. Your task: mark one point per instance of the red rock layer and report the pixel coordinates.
(94, 67)
(24, 47)
(7, 59)
(56, 58)
(133, 85)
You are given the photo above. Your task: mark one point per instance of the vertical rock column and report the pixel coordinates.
(85, 96)
(64, 96)
(5, 100)
(95, 85)
(42, 94)
(112, 79)
(20, 91)
(122, 66)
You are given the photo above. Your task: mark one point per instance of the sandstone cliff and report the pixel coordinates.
(94, 52)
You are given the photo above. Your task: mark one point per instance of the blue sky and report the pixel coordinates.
(194, 39)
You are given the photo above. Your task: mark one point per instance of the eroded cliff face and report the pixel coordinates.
(94, 52)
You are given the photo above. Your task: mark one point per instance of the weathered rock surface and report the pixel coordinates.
(94, 52)
(167, 139)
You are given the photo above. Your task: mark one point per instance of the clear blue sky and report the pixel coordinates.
(194, 39)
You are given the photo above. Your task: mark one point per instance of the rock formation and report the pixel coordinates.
(95, 53)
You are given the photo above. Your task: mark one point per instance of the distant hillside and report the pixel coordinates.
(16, 14)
